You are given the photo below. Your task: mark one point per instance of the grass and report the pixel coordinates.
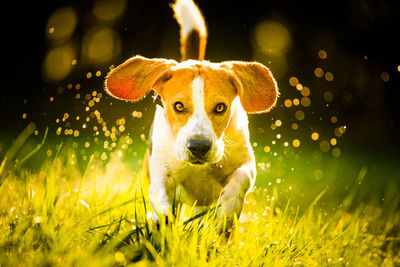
(58, 214)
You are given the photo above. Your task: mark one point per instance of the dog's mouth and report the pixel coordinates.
(198, 162)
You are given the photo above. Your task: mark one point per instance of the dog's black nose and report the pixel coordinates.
(198, 148)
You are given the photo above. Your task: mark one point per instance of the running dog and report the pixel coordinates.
(199, 144)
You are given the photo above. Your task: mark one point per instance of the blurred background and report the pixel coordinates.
(336, 62)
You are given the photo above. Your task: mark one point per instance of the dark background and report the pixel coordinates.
(361, 38)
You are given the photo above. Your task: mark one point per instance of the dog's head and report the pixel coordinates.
(197, 97)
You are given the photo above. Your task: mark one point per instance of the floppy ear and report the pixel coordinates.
(135, 78)
(255, 84)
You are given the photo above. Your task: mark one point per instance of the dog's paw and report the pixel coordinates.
(228, 210)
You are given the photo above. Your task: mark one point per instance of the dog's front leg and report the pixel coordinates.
(234, 192)
(158, 197)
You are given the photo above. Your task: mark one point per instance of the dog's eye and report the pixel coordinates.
(220, 108)
(178, 106)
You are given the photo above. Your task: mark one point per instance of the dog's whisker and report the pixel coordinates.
(227, 141)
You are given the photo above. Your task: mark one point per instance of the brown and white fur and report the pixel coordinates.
(200, 139)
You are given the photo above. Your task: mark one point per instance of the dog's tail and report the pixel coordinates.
(193, 29)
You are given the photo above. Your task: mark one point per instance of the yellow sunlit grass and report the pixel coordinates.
(99, 214)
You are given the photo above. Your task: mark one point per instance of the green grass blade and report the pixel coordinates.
(36, 149)
(78, 194)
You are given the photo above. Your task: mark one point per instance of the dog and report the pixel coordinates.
(199, 143)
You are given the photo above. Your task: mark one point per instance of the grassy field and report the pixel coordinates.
(57, 209)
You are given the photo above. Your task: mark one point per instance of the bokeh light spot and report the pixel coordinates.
(336, 152)
(61, 24)
(324, 146)
(57, 63)
(119, 257)
(318, 72)
(271, 37)
(100, 45)
(285, 144)
(333, 141)
(305, 101)
(318, 174)
(108, 10)
(329, 76)
(314, 136)
(288, 103)
(385, 76)
(322, 54)
(305, 91)
(293, 81)
(296, 143)
(339, 131)
(299, 115)
(328, 96)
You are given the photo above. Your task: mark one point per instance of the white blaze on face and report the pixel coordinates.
(199, 114)
(198, 127)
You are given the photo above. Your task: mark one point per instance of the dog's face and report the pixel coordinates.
(197, 103)
(197, 97)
